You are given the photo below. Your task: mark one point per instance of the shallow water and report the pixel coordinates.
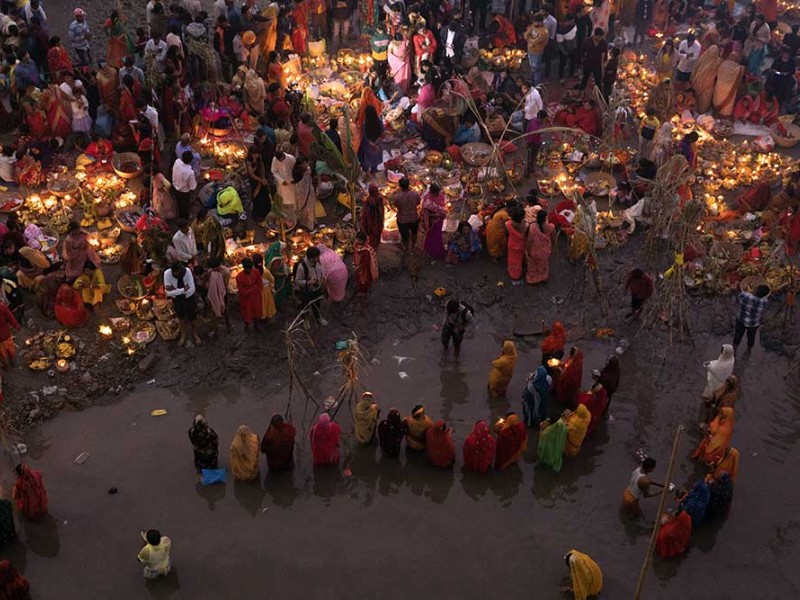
(398, 529)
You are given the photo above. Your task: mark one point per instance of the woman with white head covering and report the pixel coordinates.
(718, 371)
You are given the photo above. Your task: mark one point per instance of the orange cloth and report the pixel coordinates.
(729, 464)
(714, 446)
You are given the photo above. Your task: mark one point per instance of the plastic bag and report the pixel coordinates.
(212, 476)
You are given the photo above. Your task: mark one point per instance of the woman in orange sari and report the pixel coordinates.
(512, 441)
(126, 112)
(368, 98)
(496, 233)
(35, 120)
(569, 382)
(108, 85)
(275, 70)
(58, 115)
(300, 32)
(729, 464)
(516, 229)
(117, 39)
(718, 434)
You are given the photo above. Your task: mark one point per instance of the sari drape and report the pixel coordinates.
(243, 455)
(29, 493)
(365, 416)
(587, 579)
(503, 370)
(439, 445)
(496, 233)
(713, 446)
(512, 441)
(552, 439)
(278, 444)
(674, 536)
(479, 448)
(577, 426)
(537, 253)
(596, 402)
(516, 251)
(325, 435)
(569, 382)
(391, 432)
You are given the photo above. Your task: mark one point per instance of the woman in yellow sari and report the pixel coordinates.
(577, 425)
(365, 416)
(719, 433)
(502, 370)
(244, 454)
(496, 233)
(92, 285)
(704, 76)
(585, 574)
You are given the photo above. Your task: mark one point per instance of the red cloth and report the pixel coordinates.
(793, 233)
(29, 493)
(305, 137)
(479, 448)
(58, 61)
(7, 321)
(511, 441)
(13, 586)
(281, 110)
(554, 343)
(596, 403)
(569, 383)
(70, 311)
(278, 444)
(642, 288)
(755, 199)
(325, 436)
(248, 286)
(439, 445)
(588, 120)
(673, 537)
(506, 34)
(516, 251)
(300, 33)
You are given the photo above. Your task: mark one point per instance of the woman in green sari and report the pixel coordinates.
(275, 261)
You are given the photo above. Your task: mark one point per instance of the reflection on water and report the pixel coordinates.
(211, 493)
(249, 494)
(41, 536)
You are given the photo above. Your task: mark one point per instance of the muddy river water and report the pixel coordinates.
(398, 530)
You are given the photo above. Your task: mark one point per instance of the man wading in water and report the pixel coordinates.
(458, 317)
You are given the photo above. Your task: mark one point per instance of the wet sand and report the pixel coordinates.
(398, 530)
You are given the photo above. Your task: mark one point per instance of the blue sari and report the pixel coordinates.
(535, 398)
(696, 503)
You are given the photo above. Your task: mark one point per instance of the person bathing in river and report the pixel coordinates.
(458, 317)
(639, 486)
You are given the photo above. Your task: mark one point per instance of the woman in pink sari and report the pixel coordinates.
(516, 243)
(433, 212)
(538, 249)
(77, 251)
(399, 63)
(334, 272)
(325, 436)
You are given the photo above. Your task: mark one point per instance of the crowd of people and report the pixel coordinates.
(158, 81)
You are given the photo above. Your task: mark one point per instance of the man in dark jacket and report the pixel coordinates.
(451, 40)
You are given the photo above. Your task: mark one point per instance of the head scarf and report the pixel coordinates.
(244, 454)
(587, 579)
(552, 439)
(722, 367)
(366, 418)
(391, 432)
(696, 502)
(325, 441)
(556, 340)
(609, 376)
(278, 444)
(577, 426)
(439, 445)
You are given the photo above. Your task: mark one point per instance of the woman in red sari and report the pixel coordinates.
(674, 535)
(553, 345)
(325, 436)
(516, 229)
(596, 401)
(58, 60)
(29, 494)
(479, 449)
(538, 249)
(278, 444)
(365, 260)
(70, 311)
(36, 121)
(569, 382)
(439, 445)
(300, 32)
(108, 85)
(372, 214)
(512, 441)
(248, 286)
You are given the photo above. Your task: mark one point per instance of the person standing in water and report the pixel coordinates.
(457, 318)
(639, 486)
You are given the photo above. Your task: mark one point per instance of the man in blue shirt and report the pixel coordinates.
(751, 309)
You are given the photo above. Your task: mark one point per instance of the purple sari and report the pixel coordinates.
(433, 211)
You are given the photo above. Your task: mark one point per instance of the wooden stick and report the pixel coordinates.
(657, 526)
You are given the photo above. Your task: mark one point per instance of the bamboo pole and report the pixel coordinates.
(657, 526)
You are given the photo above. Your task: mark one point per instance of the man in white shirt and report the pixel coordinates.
(688, 53)
(184, 243)
(184, 183)
(129, 68)
(155, 45)
(533, 104)
(282, 166)
(179, 285)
